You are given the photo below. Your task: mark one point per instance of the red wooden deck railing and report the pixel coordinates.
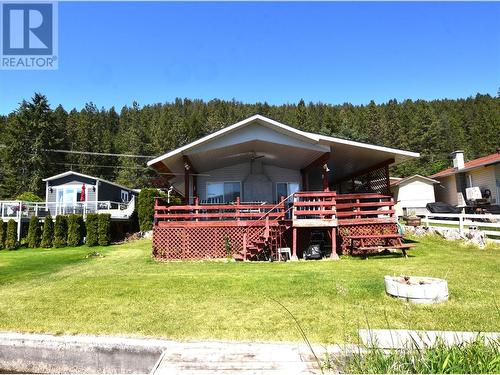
(346, 208)
(314, 205)
(364, 207)
(236, 211)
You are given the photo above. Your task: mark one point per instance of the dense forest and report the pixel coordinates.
(433, 128)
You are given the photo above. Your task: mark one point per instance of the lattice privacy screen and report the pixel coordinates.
(372, 182)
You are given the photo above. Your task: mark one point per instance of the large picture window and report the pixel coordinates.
(222, 192)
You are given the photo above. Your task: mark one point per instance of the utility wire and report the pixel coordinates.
(135, 168)
(98, 153)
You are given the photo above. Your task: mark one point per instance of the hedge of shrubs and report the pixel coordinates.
(69, 230)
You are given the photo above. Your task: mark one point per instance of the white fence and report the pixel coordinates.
(489, 224)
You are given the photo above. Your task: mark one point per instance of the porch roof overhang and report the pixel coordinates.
(278, 144)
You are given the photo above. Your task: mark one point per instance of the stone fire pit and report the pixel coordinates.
(417, 289)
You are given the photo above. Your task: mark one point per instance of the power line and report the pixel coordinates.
(98, 153)
(135, 168)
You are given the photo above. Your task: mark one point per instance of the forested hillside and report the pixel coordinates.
(433, 128)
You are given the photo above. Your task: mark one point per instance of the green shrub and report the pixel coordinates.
(104, 229)
(2, 234)
(48, 232)
(60, 231)
(74, 230)
(29, 197)
(92, 224)
(11, 238)
(34, 233)
(146, 208)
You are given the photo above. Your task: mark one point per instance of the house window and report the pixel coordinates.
(69, 193)
(221, 192)
(124, 196)
(284, 189)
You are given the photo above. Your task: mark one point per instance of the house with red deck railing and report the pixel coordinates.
(259, 189)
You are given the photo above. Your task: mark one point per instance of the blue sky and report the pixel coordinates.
(114, 53)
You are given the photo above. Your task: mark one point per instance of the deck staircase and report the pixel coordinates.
(264, 245)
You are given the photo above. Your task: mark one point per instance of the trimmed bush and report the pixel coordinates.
(11, 238)
(92, 225)
(3, 233)
(34, 233)
(104, 229)
(146, 208)
(74, 230)
(29, 197)
(48, 232)
(60, 231)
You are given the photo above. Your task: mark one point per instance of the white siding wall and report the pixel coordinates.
(414, 194)
(239, 172)
(277, 174)
(484, 178)
(446, 190)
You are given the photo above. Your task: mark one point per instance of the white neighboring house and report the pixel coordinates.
(483, 173)
(411, 194)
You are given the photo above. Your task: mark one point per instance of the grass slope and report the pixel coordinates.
(126, 292)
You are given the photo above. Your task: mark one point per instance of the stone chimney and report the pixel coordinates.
(458, 159)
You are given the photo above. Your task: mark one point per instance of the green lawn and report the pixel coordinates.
(126, 292)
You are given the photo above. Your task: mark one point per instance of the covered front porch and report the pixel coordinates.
(260, 184)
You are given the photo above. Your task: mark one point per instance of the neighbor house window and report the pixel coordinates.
(284, 189)
(221, 192)
(124, 196)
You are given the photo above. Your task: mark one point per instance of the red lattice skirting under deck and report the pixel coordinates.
(191, 242)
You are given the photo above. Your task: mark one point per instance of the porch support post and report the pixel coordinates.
(188, 169)
(387, 179)
(334, 255)
(294, 244)
(326, 186)
(186, 185)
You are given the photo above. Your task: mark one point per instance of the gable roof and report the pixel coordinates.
(68, 173)
(282, 128)
(476, 163)
(415, 176)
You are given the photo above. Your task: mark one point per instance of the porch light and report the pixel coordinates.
(93, 188)
(51, 190)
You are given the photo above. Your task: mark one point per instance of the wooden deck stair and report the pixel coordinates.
(265, 245)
